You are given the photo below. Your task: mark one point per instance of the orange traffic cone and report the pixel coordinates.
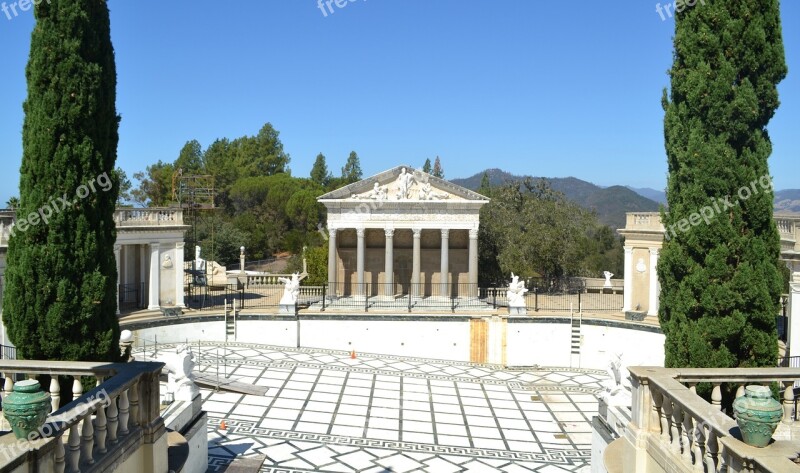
(353, 355)
(222, 425)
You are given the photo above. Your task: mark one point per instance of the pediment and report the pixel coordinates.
(403, 183)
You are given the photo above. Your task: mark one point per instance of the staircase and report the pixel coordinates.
(575, 341)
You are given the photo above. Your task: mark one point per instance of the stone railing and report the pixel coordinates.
(257, 279)
(673, 429)
(115, 423)
(643, 221)
(148, 217)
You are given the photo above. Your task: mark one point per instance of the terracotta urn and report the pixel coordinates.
(758, 415)
(26, 408)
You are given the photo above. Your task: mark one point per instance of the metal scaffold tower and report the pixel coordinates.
(195, 194)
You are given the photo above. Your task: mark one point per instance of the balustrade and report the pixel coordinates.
(97, 428)
(682, 432)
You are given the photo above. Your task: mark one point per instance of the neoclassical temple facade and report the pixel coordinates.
(403, 232)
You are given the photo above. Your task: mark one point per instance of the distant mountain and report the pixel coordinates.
(650, 193)
(787, 201)
(610, 203)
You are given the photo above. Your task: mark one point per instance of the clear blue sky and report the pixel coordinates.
(566, 88)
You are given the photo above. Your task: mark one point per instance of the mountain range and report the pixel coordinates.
(611, 203)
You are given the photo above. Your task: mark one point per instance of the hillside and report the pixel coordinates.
(787, 201)
(610, 203)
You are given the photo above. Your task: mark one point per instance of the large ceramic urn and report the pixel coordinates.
(26, 408)
(758, 415)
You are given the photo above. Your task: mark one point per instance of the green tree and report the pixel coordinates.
(190, 158)
(721, 279)
(260, 155)
(426, 168)
(12, 203)
(485, 187)
(155, 185)
(319, 172)
(60, 295)
(351, 172)
(124, 187)
(438, 171)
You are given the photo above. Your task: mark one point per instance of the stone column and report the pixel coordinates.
(360, 262)
(793, 337)
(627, 295)
(389, 263)
(179, 274)
(473, 262)
(652, 305)
(142, 275)
(155, 280)
(332, 261)
(415, 264)
(445, 263)
(117, 249)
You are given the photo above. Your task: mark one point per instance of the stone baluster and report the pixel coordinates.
(716, 396)
(124, 413)
(101, 429)
(60, 455)
(113, 421)
(87, 439)
(788, 403)
(740, 390)
(658, 400)
(74, 454)
(55, 393)
(693, 388)
(677, 422)
(698, 445)
(686, 438)
(133, 393)
(8, 387)
(712, 452)
(77, 387)
(666, 424)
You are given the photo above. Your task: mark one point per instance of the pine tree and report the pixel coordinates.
(719, 268)
(438, 171)
(351, 172)
(426, 168)
(60, 297)
(319, 172)
(485, 187)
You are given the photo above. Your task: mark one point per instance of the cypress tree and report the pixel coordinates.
(719, 268)
(60, 297)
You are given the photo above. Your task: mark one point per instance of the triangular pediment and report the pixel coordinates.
(403, 183)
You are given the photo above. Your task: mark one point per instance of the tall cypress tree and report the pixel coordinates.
(719, 268)
(59, 301)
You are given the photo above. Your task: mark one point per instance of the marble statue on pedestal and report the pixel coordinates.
(608, 275)
(516, 295)
(180, 377)
(291, 290)
(404, 183)
(617, 388)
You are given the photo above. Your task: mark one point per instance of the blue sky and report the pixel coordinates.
(567, 88)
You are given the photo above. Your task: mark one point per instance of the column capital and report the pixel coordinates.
(180, 245)
(445, 233)
(154, 244)
(417, 232)
(360, 232)
(628, 249)
(332, 229)
(389, 232)
(473, 234)
(654, 251)
(117, 247)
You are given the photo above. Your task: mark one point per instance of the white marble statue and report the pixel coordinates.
(617, 387)
(377, 193)
(291, 289)
(516, 292)
(180, 376)
(404, 183)
(199, 263)
(608, 275)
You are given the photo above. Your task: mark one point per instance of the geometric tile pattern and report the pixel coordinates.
(327, 412)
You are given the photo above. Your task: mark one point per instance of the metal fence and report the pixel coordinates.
(131, 296)
(8, 352)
